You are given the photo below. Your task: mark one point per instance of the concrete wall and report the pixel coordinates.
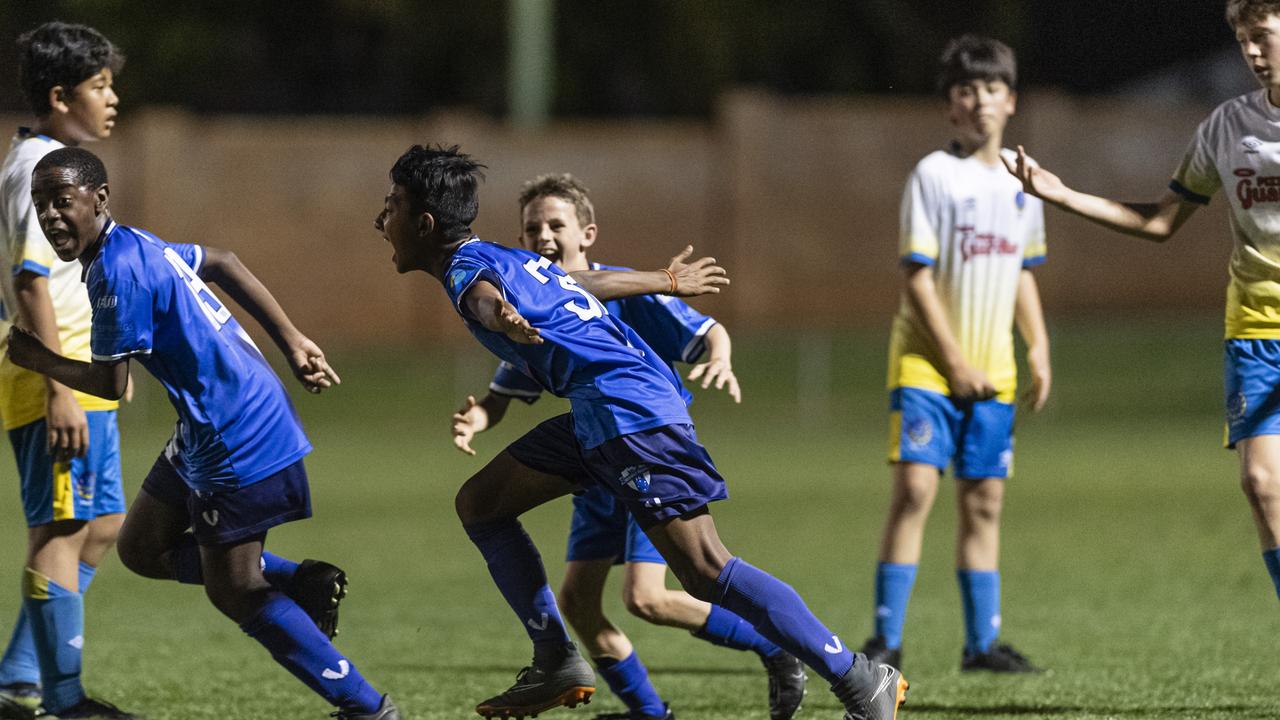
(798, 197)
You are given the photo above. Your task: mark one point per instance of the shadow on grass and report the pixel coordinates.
(1236, 711)
(513, 668)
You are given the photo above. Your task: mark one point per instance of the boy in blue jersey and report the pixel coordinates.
(233, 468)
(628, 430)
(67, 444)
(559, 223)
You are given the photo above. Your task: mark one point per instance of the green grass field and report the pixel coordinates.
(1130, 564)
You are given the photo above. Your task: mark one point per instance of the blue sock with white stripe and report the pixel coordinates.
(1272, 559)
(980, 593)
(629, 680)
(725, 629)
(20, 664)
(516, 568)
(293, 640)
(893, 589)
(779, 613)
(56, 615)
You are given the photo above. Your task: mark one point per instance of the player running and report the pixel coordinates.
(558, 221)
(969, 239)
(628, 430)
(233, 468)
(1237, 147)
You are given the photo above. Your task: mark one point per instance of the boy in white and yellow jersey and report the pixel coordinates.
(66, 443)
(1237, 148)
(969, 237)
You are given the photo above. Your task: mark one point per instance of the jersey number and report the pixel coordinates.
(593, 309)
(216, 312)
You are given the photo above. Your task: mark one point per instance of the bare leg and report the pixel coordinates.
(581, 601)
(1260, 480)
(978, 532)
(915, 486)
(645, 594)
(151, 530)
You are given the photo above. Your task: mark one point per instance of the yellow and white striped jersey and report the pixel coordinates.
(23, 248)
(973, 224)
(1238, 147)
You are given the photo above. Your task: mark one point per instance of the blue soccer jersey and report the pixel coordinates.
(675, 331)
(236, 424)
(615, 383)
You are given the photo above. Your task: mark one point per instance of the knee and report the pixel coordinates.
(237, 599)
(984, 506)
(1260, 484)
(644, 603)
(139, 557)
(915, 495)
(471, 507)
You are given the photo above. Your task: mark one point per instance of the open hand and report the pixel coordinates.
(1037, 393)
(26, 348)
(718, 371)
(469, 420)
(309, 366)
(1035, 179)
(512, 324)
(700, 277)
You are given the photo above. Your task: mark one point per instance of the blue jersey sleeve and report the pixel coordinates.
(463, 274)
(509, 381)
(122, 320)
(675, 331)
(192, 255)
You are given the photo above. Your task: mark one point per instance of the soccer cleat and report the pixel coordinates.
(786, 684)
(90, 709)
(875, 649)
(999, 659)
(19, 701)
(668, 714)
(318, 587)
(871, 690)
(570, 682)
(386, 711)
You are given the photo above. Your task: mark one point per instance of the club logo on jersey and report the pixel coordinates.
(456, 279)
(1253, 190)
(635, 477)
(1251, 145)
(974, 244)
(919, 432)
(1237, 405)
(1020, 200)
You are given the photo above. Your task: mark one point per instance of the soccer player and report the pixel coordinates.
(558, 223)
(1234, 147)
(628, 430)
(66, 443)
(233, 468)
(969, 239)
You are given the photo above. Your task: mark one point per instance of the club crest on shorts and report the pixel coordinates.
(919, 432)
(1237, 405)
(635, 477)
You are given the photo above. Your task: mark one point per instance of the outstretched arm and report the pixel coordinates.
(700, 277)
(1029, 317)
(103, 379)
(476, 417)
(1156, 221)
(304, 356)
(485, 303)
(718, 368)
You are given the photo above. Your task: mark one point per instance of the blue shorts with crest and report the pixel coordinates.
(223, 517)
(1252, 384)
(78, 489)
(656, 474)
(932, 429)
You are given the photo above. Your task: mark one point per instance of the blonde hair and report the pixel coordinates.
(563, 186)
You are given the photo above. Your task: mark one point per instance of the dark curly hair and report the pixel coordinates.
(442, 181)
(61, 54)
(86, 169)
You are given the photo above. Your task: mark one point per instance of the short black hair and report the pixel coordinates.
(442, 181)
(58, 53)
(87, 170)
(974, 57)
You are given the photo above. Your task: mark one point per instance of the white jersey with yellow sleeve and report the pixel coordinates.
(975, 227)
(23, 248)
(1238, 147)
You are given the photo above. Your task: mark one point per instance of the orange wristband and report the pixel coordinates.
(671, 275)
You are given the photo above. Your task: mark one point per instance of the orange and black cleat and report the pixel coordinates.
(569, 683)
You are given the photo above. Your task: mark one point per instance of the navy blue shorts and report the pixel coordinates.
(658, 474)
(219, 518)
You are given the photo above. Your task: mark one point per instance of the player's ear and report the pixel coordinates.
(589, 235)
(1013, 102)
(58, 97)
(100, 198)
(426, 224)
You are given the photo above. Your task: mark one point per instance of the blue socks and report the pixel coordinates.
(293, 640)
(56, 615)
(516, 568)
(1272, 559)
(779, 614)
(277, 570)
(980, 592)
(184, 561)
(725, 629)
(629, 680)
(893, 589)
(19, 664)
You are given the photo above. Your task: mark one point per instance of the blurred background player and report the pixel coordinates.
(1236, 146)
(629, 430)
(66, 443)
(558, 221)
(969, 238)
(233, 468)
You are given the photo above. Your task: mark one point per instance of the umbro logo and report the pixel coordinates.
(77, 642)
(344, 668)
(210, 517)
(1251, 145)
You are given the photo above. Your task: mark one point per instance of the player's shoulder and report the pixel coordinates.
(126, 252)
(25, 151)
(937, 163)
(1238, 112)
